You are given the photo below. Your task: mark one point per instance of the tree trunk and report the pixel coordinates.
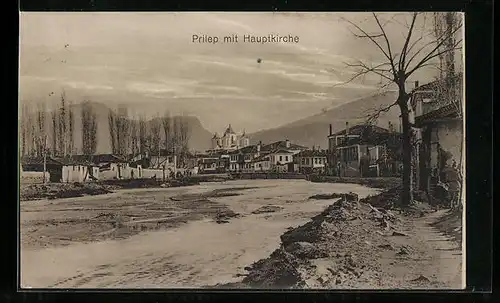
(406, 195)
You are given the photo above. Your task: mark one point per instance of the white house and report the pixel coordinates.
(281, 156)
(76, 173)
(262, 163)
(311, 160)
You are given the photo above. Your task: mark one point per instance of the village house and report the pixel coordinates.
(79, 170)
(262, 163)
(212, 163)
(241, 159)
(223, 164)
(311, 160)
(363, 150)
(438, 128)
(32, 169)
(112, 167)
(281, 160)
(208, 165)
(282, 145)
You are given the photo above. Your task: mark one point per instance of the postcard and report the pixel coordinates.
(241, 150)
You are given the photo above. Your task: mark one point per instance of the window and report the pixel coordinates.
(303, 161)
(315, 160)
(281, 158)
(286, 158)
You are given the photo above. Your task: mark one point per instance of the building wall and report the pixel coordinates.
(74, 173)
(449, 135)
(285, 158)
(262, 166)
(312, 162)
(150, 173)
(117, 171)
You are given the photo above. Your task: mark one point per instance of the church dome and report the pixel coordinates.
(229, 130)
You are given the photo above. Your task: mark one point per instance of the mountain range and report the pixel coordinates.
(313, 130)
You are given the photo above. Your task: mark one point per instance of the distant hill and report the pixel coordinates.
(314, 130)
(199, 137)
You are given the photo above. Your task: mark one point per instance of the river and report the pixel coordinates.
(196, 254)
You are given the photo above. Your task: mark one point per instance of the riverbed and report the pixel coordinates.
(197, 251)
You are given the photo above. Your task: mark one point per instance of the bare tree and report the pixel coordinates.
(122, 130)
(62, 126)
(118, 130)
(396, 69)
(167, 130)
(112, 131)
(133, 140)
(55, 127)
(93, 132)
(41, 130)
(71, 125)
(176, 135)
(89, 129)
(32, 134)
(184, 134)
(23, 125)
(155, 131)
(142, 135)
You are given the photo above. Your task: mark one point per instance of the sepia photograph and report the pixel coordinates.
(263, 150)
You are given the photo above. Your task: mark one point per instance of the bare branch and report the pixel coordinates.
(429, 57)
(365, 69)
(372, 117)
(402, 58)
(390, 57)
(372, 38)
(438, 45)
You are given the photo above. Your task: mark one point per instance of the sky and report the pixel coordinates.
(150, 62)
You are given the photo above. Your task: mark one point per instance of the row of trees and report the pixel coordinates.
(140, 136)
(34, 129)
(127, 135)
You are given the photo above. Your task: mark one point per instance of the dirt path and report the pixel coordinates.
(351, 245)
(434, 260)
(197, 253)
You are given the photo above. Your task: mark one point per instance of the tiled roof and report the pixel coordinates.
(447, 111)
(91, 159)
(77, 160)
(40, 160)
(281, 145)
(434, 85)
(360, 128)
(281, 151)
